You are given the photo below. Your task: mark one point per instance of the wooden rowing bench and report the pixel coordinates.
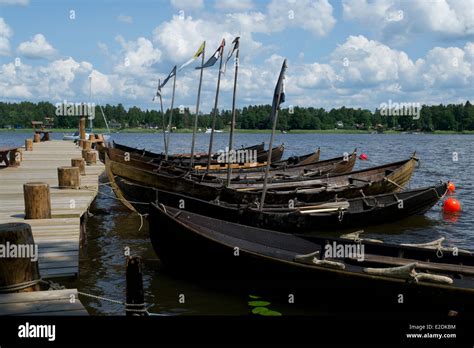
(8, 155)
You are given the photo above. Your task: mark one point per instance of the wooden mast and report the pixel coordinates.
(197, 107)
(232, 125)
(171, 115)
(276, 104)
(214, 116)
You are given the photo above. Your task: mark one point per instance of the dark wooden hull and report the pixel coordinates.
(294, 172)
(203, 248)
(362, 212)
(382, 179)
(307, 168)
(199, 159)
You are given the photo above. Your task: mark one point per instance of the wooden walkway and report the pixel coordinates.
(57, 238)
(57, 302)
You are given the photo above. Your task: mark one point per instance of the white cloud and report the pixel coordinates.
(137, 56)
(101, 84)
(239, 5)
(396, 19)
(55, 81)
(38, 47)
(5, 34)
(313, 16)
(187, 4)
(180, 38)
(125, 19)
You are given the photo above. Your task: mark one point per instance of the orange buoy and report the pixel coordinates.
(451, 187)
(451, 205)
(363, 157)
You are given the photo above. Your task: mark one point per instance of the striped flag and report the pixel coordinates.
(196, 56)
(215, 56)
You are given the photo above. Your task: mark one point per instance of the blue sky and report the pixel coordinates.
(352, 52)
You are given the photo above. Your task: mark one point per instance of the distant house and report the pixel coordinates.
(114, 124)
(8, 126)
(340, 124)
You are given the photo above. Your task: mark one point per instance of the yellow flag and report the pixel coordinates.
(199, 51)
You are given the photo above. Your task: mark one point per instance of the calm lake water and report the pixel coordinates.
(113, 227)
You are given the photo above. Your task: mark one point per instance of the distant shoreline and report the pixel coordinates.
(243, 131)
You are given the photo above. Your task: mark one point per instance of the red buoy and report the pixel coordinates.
(451, 187)
(451, 205)
(363, 157)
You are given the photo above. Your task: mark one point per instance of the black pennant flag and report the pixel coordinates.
(165, 81)
(279, 94)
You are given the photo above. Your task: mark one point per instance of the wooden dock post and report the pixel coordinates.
(134, 286)
(79, 163)
(68, 177)
(37, 200)
(87, 145)
(82, 128)
(15, 158)
(89, 156)
(29, 144)
(37, 138)
(18, 274)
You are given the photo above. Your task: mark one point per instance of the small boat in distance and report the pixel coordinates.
(74, 136)
(209, 131)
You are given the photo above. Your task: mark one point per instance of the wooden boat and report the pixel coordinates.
(293, 160)
(387, 178)
(160, 156)
(200, 158)
(301, 160)
(370, 278)
(245, 173)
(331, 216)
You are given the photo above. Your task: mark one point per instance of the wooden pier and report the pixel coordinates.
(58, 238)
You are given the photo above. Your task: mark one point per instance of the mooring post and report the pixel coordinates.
(15, 158)
(89, 156)
(79, 163)
(37, 200)
(19, 274)
(37, 138)
(68, 177)
(134, 286)
(82, 128)
(86, 145)
(29, 144)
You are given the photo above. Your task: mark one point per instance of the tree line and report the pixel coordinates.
(451, 117)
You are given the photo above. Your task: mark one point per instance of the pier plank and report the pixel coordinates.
(57, 302)
(57, 238)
